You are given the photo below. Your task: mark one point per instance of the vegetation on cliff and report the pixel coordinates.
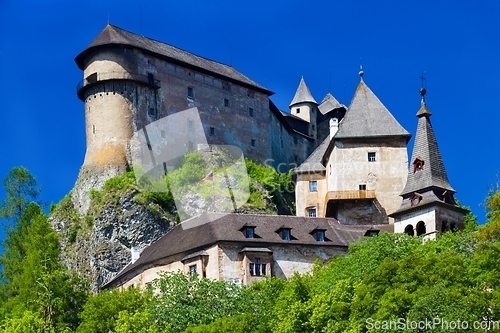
(387, 280)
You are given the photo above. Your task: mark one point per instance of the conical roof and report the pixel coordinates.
(368, 117)
(302, 94)
(329, 103)
(431, 173)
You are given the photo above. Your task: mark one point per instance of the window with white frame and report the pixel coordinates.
(313, 186)
(311, 212)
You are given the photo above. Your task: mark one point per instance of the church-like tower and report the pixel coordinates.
(304, 106)
(428, 204)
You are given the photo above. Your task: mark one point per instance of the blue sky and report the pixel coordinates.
(274, 43)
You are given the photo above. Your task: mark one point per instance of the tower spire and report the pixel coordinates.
(423, 91)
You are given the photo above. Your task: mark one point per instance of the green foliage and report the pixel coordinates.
(244, 323)
(108, 311)
(279, 185)
(38, 288)
(21, 188)
(183, 300)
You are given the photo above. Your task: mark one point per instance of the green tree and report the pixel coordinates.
(35, 281)
(21, 188)
(183, 300)
(107, 311)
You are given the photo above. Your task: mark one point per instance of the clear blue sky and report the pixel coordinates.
(274, 43)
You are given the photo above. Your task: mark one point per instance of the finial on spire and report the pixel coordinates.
(423, 91)
(361, 72)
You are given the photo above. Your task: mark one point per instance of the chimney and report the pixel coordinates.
(136, 253)
(334, 127)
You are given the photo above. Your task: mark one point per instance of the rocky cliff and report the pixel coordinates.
(122, 215)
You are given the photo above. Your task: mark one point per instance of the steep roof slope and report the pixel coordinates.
(368, 117)
(313, 163)
(329, 103)
(112, 35)
(425, 148)
(302, 94)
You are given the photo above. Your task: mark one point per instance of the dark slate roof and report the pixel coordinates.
(313, 164)
(368, 117)
(425, 148)
(429, 198)
(208, 229)
(329, 103)
(113, 35)
(302, 94)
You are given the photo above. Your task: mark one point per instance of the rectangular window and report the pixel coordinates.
(312, 212)
(249, 232)
(212, 131)
(226, 102)
(313, 186)
(371, 157)
(263, 268)
(93, 129)
(151, 79)
(192, 270)
(285, 234)
(362, 187)
(252, 142)
(257, 266)
(250, 112)
(297, 110)
(190, 93)
(252, 269)
(320, 235)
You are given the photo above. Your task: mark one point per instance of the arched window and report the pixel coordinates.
(409, 230)
(421, 228)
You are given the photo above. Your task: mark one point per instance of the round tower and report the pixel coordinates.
(305, 107)
(120, 97)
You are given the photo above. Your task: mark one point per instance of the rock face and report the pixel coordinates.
(102, 245)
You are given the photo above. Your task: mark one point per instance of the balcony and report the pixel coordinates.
(147, 80)
(350, 195)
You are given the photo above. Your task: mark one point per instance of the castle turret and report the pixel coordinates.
(428, 204)
(304, 106)
(120, 97)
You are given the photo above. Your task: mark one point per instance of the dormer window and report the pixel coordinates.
(249, 232)
(285, 233)
(418, 165)
(319, 235)
(372, 232)
(415, 199)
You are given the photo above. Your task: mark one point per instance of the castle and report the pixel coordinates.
(351, 163)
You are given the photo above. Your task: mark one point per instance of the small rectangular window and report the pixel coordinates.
(311, 212)
(249, 232)
(212, 131)
(285, 234)
(297, 110)
(362, 187)
(371, 157)
(257, 266)
(320, 235)
(252, 142)
(226, 102)
(192, 270)
(93, 129)
(250, 112)
(313, 186)
(190, 93)
(151, 79)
